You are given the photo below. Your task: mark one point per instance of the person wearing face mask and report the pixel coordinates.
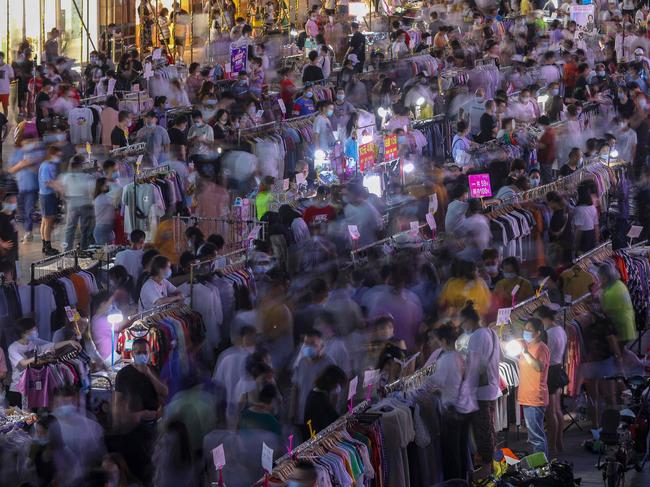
(139, 393)
(320, 405)
(532, 394)
(523, 109)
(480, 386)
(304, 104)
(157, 289)
(9, 229)
(343, 110)
(490, 271)
(322, 128)
(199, 137)
(47, 173)
(104, 209)
(534, 178)
(155, 137)
(511, 278)
(42, 104)
(21, 354)
(119, 134)
(623, 103)
(310, 365)
(626, 140)
(231, 365)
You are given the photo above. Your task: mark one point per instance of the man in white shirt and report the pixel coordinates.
(626, 140)
(549, 72)
(523, 109)
(6, 77)
(131, 258)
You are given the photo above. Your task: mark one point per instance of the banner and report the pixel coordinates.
(479, 186)
(366, 156)
(390, 148)
(238, 59)
(583, 15)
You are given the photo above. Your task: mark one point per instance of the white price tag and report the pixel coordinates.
(148, 71)
(219, 457)
(267, 458)
(352, 388)
(38, 385)
(300, 178)
(259, 113)
(228, 68)
(254, 232)
(111, 86)
(69, 313)
(503, 316)
(157, 54)
(433, 203)
(431, 221)
(415, 227)
(370, 377)
(635, 231)
(515, 290)
(354, 232)
(283, 107)
(568, 299)
(285, 184)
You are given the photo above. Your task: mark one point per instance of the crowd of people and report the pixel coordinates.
(276, 357)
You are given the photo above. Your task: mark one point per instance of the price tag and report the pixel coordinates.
(354, 232)
(219, 457)
(635, 231)
(148, 71)
(259, 113)
(300, 178)
(285, 184)
(38, 385)
(128, 345)
(267, 458)
(503, 316)
(370, 377)
(69, 313)
(433, 203)
(515, 290)
(352, 388)
(228, 68)
(431, 221)
(111, 86)
(283, 107)
(415, 227)
(135, 87)
(157, 54)
(568, 299)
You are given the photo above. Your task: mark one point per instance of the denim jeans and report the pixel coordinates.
(26, 205)
(84, 216)
(103, 234)
(534, 416)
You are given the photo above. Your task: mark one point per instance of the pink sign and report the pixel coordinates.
(479, 186)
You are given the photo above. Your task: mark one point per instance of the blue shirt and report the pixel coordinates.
(351, 149)
(26, 178)
(304, 106)
(46, 173)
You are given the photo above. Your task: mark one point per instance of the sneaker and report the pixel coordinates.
(49, 251)
(28, 237)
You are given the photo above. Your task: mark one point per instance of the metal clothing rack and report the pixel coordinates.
(596, 252)
(410, 380)
(235, 228)
(266, 128)
(154, 311)
(128, 151)
(520, 310)
(354, 254)
(236, 258)
(49, 261)
(323, 434)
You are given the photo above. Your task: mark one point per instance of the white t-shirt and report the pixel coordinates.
(585, 218)
(6, 73)
(482, 356)
(556, 344)
(447, 376)
(152, 292)
(18, 352)
(131, 260)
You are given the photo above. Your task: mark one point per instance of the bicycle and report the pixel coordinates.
(631, 435)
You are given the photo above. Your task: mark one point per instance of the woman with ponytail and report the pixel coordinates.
(480, 387)
(533, 391)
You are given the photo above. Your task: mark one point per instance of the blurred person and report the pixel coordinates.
(320, 406)
(511, 278)
(101, 330)
(9, 230)
(533, 391)
(156, 139)
(259, 416)
(586, 224)
(195, 239)
(560, 228)
(474, 232)
(457, 209)
(157, 289)
(138, 395)
(6, 77)
(109, 120)
(119, 134)
(131, 258)
(76, 187)
(556, 342)
(480, 387)
(617, 304)
(490, 269)
(23, 163)
(573, 164)
(463, 286)
(322, 128)
(358, 211)
(118, 471)
(335, 347)
(121, 284)
(47, 173)
(104, 213)
(310, 365)
(173, 458)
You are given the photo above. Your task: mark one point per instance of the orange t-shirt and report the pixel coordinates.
(83, 295)
(533, 390)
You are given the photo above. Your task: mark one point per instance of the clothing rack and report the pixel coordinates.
(92, 100)
(598, 253)
(231, 261)
(265, 128)
(413, 380)
(128, 151)
(153, 311)
(321, 435)
(354, 254)
(62, 266)
(524, 309)
(235, 228)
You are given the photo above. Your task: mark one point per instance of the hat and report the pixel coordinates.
(638, 51)
(354, 59)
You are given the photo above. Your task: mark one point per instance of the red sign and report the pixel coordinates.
(390, 148)
(479, 186)
(366, 156)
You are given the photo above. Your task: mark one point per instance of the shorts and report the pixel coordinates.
(4, 101)
(179, 41)
(49, 204)
(554, 380)
(597, 370)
